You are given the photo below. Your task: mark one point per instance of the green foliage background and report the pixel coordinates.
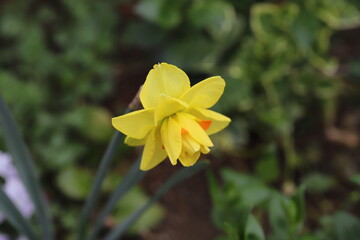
(285, 87)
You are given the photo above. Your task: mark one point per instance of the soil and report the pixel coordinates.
(188, 207)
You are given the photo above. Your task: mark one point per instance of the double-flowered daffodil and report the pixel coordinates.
(175, 121)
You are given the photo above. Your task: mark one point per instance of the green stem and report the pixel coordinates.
(103, 169)
(131, 178)
(175, 179)
(290, 155)
(105, 164)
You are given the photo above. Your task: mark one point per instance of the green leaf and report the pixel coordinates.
(268, 168)
(133, 176)
(217, 17)
(24, 165)
(232, 204)
(272, 20)
(177, 178)
(204, 52)
(337, 14)
(250, 190)
(253, 230)
(32, 95)
(355, 179)
(304, 29)
(347, 226)
(105, 164)
(142, 34)
(74, 182)
(129, 204)
(278, 216)
(318, 182)
(93, 122)
(231, 232)
(13, 215)
(299, 201)
(287, 215)
(166, 13)
(248, 228)
(11, 25)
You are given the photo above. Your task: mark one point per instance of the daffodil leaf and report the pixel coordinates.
(100, 175)
(24, 165)
(177, 178)
(133, 176)
(13, 215)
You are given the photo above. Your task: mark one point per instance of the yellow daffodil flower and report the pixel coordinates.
(175, 121)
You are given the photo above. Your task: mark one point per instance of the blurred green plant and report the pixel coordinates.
(55, 58)
(274, 56)
(56, 61)
(242, 202)
(68, 182)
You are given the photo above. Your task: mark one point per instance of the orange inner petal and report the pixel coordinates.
(205, 124)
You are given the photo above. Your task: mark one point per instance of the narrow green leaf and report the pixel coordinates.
(253, 230)
(243, 219)
(105, 164)
(280, 220)
(24, 165)
(177, 178)
(132, 178)
(299, 201)
(13, 215)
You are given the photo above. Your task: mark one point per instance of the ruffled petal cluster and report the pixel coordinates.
(175, 121)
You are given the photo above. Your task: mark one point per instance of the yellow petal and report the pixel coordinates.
(187, 122)
(218, 121)
(171, 138)
(205, 149)
(163, 79)
(206, 93)
(153, 153)
(134, 141)
(189, 159)
(135, 124)
(189, 144)
(168, 106)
